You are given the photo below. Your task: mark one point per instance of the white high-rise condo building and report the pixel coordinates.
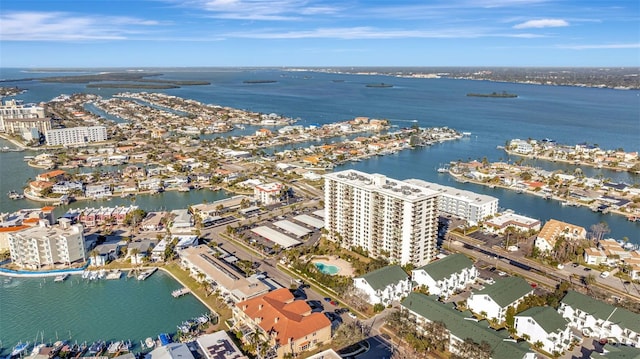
(387, 218)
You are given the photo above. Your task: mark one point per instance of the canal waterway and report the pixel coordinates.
(81, 310)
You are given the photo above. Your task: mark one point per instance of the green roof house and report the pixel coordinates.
(545, 325)
(461, 326)
(494, 300)
(384, 285)
(601, 320)
(445, 276)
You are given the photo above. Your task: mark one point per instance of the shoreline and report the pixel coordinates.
(570, 162)
(462, 179)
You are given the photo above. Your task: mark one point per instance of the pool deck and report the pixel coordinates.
(344, 266)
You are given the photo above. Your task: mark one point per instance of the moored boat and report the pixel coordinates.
(19, 349)
(61, 277)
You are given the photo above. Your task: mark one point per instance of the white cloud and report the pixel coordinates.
(60, 26)
(541, 23)
(601, 46)
(270, 10)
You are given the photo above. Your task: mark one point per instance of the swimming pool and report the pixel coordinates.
(327, 268)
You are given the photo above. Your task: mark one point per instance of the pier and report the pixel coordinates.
(180, 292)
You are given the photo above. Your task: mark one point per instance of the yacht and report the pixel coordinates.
(19, 349)
(61, 277)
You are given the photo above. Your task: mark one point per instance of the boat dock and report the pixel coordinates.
(180, 292)
(144, 275)
(114, 274)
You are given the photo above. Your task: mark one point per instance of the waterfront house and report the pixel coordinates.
(492, 301)
(153, 221)
(460, 326)
(66, 187)
(170, 351)
(287, 324)
(445, 276)
(553, 230)
(204, 265)
(182, 221)
(151, 184)
(104, 253)
(600, 320)
(97, 191)
(139, 250)
(52, 176)
(37, 187)
(384, 285)
(544, 325)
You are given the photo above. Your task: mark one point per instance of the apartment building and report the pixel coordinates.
(493, 300)
(287, 324)
(471, 206)
(46, 245)
(27, 120)
(445, 276)
(553, 230)
(268, 193)
(599, 319)
(76, 135)
(384, 285)
(385, 217)
(544, 325)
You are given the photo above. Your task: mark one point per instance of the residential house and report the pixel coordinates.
(288, 325)
(219, 345)
(594, 256)
(553, 230)
(139, 250)
(104, 253)
(493, 300)
(97, 191)
(445, 276)
(170, 351)
(460, 326)
(599, 319)
(544, 325)
(384, 285)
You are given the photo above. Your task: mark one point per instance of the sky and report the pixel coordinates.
(297, 33)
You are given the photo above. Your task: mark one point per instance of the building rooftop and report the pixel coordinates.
(509, 218)
(381, 184)
(383, 277)
(453, 191)
(445, 267)
(278, 312)
(506, 290)
(548, 318)
(463, 326)
(219, 345)
(603, 311)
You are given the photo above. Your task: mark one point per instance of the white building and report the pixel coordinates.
(385, 217)
(65, 187)
(468, 205)
(97, 191)
(76, 135)
(599, 319)
(384, 285)
(170, 351)
(493, 300)
(20, 119)
(508, 219)
(268, 193)
(445, 276)
(544, 325)
(520, 146)
(48, 245)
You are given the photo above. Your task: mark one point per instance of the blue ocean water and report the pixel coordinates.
(609, 118)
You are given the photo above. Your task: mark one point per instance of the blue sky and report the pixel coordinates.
(137, 33)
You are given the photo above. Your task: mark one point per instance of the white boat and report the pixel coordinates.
(19, 349)
(93, 275)
(114, 347)
(36, 348)
(149, 342)
(102, 273)
(61, 277)
(443, 170)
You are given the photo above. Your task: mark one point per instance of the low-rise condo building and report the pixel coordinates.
(384, 285)
(544, 325)
(500, 223)
(268, 193)
(460, 326)
(287, 325)
(599, 319)
(385, 217)
(46, 245)
(553, 230)
(445, 276)
(76, 135)
(492, 301)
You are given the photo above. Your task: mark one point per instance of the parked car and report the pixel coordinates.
(604, 274)
(327, 299)
(352, 316)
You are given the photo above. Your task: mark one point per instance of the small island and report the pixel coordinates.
(380, 85)
(493, 94)
(259, 81)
